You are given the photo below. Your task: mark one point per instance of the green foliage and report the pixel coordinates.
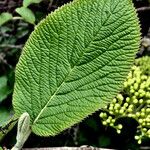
(5, 115)
(26, 14)
(134, 102)
(4, 89)
(5, 121)
(5, 17)
(75, 62)
(26, 3)
(13, 35)
(10, 47)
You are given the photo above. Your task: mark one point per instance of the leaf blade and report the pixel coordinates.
(26, 14)
(5, 17)
(4, 89)
(26, 3)
(82, 54)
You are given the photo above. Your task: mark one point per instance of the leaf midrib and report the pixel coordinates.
(52, 97)
(61, 83)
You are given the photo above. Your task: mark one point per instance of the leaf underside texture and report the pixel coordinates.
(75, 62)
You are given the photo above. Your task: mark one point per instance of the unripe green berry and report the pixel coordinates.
(130, 115)
(121, 111)
(125, 105)
(138, 80)
(148, 131)
(120, 97)
(143, 124)
(132, 91)
(148, 110)
(148, 124)
(136, 137)
(148, 101)
(144, 130)
(142, 94)
(135, 101)
(120, 126)
(130, 110)
(142, 86)
(110, 108)
(133, 68)
(147, 94)
(105, 115)
(140, 120)
(128, 99)
(125, 84)
(113, 120)
(118, 131)
(116, 111)
(141, 101)
(137, 114)
(101, 115)
(108, 121)
(147, 119)
(117, 106)
(111, 105)
(106, 107)
(141, 91)
(143, 110)
(135, 86)
(111, 124)
(104, 123)
(114, 100)
(139, 141)
(111, 112)
(130, 81)
(144, 77)
(136, 94)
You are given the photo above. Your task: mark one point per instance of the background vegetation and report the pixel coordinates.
(15, 29)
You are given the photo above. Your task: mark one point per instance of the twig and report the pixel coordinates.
(17, 18)
(2, 60)
(143, 9)
(11, 46)
(145, 148)
(50, 4)
(68, 148)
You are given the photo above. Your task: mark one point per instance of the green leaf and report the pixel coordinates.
(4, 89)
(7, 121)
(75, 62)
(26, 14)
(5, 114)
(26, 3)
(5, 17)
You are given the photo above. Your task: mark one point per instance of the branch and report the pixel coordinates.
(68, 148)
(143, 9)
(11, 46)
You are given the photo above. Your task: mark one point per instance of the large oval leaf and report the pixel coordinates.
(75, 62)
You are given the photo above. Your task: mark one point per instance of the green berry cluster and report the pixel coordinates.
(134, 102)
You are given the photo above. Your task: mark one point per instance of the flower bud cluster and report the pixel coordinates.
(144, 64)
(134, 103)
